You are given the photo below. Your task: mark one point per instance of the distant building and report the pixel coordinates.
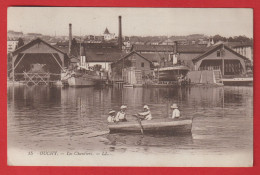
(126, 46)
(203, 42)
(167, 42)
(108, 36)
(182, 42)
(245, 49)
(11, 45)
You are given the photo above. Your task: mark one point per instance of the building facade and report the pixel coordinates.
(223, 58)
(132, 60)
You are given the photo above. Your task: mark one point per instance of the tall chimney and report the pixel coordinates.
(70, 37)
(120, 34)
(175, 47)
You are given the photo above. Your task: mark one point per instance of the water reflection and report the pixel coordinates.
(45, 117)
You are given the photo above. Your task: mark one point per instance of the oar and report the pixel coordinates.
(140, 123)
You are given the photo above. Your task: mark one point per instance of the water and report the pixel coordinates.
(47, 118)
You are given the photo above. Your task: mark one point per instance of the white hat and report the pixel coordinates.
(123, 107)
(146, 107)
(111, 112)
(174, 105)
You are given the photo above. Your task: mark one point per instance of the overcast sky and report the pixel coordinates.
(135, 21)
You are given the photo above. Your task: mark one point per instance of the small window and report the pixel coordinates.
(218, 53)
(142, 64)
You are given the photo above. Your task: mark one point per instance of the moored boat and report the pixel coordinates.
(172, 73)
(155, 126)
(244, 81)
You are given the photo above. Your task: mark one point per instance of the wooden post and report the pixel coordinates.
(12, 67)
(223, 64)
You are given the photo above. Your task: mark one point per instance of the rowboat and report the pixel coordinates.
(155, 126)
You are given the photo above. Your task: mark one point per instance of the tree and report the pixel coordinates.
(20, 43)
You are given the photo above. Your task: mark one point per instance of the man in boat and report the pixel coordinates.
(146, 115)
(175, 113)
(111, 118)
(121, 115)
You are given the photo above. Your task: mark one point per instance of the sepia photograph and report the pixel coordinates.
(136, 87)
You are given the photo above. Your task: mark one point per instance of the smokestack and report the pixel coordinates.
(120, 34)
(70, 37)
(175, 47)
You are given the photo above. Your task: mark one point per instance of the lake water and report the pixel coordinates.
(55, 118)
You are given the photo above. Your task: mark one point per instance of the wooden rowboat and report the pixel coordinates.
(155, 126)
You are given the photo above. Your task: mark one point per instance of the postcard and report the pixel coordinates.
(110, 86)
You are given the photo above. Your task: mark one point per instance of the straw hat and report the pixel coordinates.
(146, 107)
(112, 112)
(123, 107)
(174, 106)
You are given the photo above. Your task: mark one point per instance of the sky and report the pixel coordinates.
(135, 21)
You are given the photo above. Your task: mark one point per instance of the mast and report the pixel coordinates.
(222, 55)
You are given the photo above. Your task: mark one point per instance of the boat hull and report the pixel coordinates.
(172, 73)
(238, 81)
(80, 82)
(155, 126)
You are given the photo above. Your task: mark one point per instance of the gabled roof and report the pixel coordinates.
(215, 48)
(131, 53)
(33, 42)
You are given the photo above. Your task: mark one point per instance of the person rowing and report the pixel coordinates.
(175, 113)
(146, 114)
(121, 115)
(111, 116)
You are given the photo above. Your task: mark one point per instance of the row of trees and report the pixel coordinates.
(240, 38)
(195, 37)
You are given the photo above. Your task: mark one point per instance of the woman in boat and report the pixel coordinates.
(111, 118)
(175, 113)
(146, 115)
(121, 115)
